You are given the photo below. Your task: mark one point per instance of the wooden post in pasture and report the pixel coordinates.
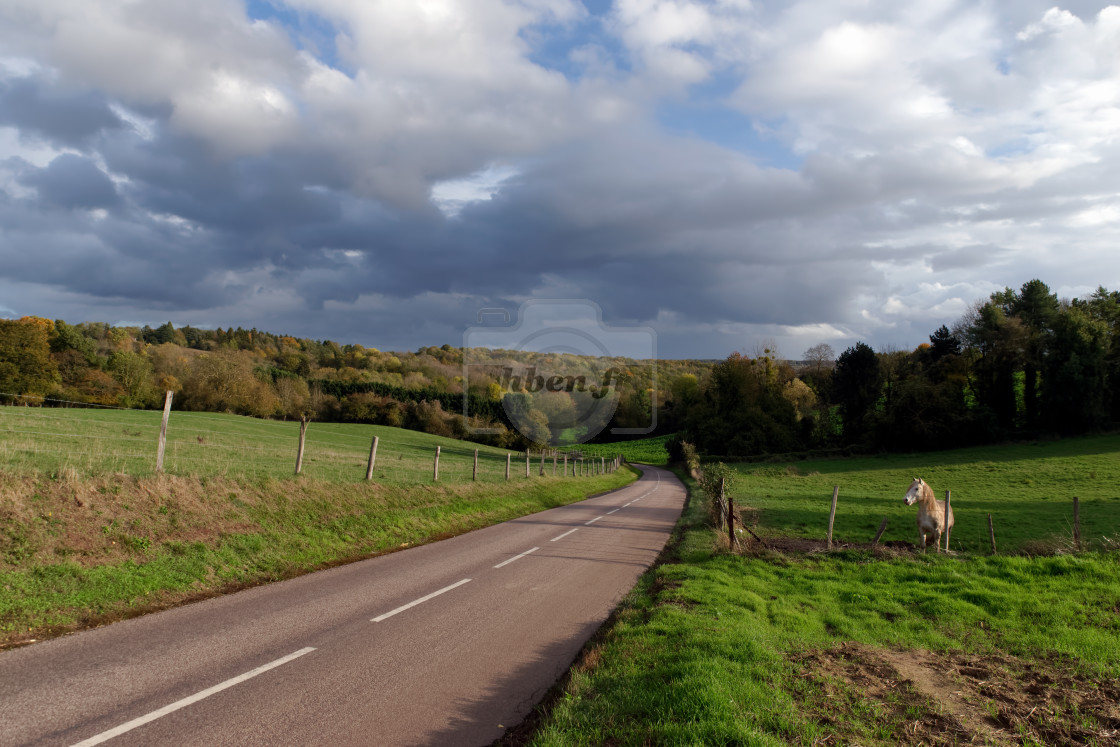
(992, 534)
(882, 528)
(565, 465)
(507, 465)
(302, 436)
(163, 430)
(730, 515)
(542, 464)
(602, 465)
(526, 462)
(945, 522)
(372, 459)
(832, 513)
(474, 473)
(1076, 523)
(435, 467)
(554, 463)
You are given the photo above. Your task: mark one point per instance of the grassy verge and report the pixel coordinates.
(80, 552)
(851, 647)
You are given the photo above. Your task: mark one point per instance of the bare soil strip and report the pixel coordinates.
(953, 698)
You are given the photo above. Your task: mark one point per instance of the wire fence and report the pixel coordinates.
(53, 436)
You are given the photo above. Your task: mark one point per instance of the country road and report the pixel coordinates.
(445, 644)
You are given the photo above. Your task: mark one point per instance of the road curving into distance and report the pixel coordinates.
(445, 644)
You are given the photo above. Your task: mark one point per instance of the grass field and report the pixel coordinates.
(868, 647)
(1027, 488)
(88, 534)
(35, 440)
(642, 450)
(847, 648)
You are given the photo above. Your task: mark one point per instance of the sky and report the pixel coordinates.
(729, 175)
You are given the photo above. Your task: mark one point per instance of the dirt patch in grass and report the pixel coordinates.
(863, 694)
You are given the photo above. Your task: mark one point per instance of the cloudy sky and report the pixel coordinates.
(724, 172)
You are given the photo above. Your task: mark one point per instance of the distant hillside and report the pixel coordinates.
(270, 375)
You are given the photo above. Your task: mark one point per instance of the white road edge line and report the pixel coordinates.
(421, 600)
(516, 557)
(130, 725)
(565, 534)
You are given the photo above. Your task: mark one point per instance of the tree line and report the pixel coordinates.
(1022, 363)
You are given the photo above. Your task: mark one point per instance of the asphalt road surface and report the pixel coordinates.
(445, 644)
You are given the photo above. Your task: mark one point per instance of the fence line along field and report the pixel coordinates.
(90, 533)
(1027, 488)
(100, 441)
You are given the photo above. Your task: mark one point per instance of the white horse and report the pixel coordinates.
(931, 514)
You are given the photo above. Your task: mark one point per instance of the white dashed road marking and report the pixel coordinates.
(129, 726)
(421, 600)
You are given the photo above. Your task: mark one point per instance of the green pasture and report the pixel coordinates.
(1027, 488)
(711, 648)
(642, 450)
(87, 441)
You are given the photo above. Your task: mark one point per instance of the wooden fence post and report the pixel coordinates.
(302, 434)
(730, 515)
(1076, 523)
(526, 462)
(507, 465)
(163, 430)
(992, 534)
(832, 514)
(882, 528)
(372, 459)
(565, 465)
(435, 467)
(554, 463)
(946, 522)
(474, 474)
(542, 464)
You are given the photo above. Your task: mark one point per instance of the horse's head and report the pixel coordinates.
(914, 493)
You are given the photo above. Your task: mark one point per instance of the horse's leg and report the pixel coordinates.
(937, 536)
(922, 539)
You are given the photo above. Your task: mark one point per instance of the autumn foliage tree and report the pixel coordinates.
(26, 366)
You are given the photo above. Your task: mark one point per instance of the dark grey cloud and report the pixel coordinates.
(71, 181)
(63, 118)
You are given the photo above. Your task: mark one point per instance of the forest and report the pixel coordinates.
(1020, 364)
(47, 362)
